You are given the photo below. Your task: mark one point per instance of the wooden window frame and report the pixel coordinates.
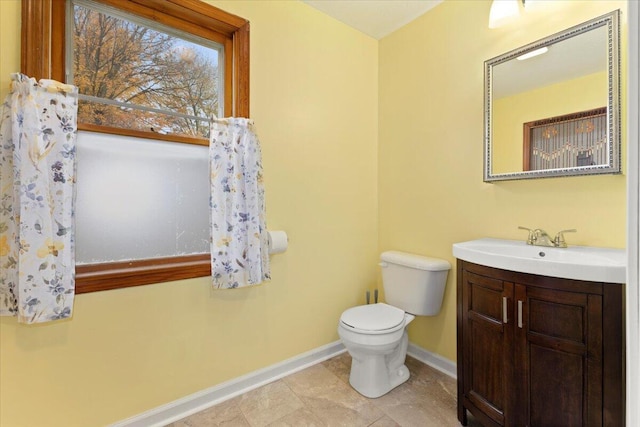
(43, 57)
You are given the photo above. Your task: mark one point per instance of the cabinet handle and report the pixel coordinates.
(519, 314)
(505, 317)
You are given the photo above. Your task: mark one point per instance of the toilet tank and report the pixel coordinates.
(414, 283)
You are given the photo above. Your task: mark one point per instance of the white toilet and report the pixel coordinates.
(375, 335)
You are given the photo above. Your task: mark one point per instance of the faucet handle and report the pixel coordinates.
(559, 241)
(531, 237)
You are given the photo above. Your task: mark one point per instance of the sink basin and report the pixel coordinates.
(575, 262)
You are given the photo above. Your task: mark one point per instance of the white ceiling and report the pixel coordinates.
(566, 60)
(376, 18)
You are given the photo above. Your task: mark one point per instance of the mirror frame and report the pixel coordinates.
(612, 22)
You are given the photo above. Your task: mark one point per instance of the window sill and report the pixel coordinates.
(116, 275)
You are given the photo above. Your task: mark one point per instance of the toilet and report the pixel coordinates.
(375, 334)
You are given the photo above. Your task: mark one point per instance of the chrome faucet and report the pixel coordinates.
(539, 237)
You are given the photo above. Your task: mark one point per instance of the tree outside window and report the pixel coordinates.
(142, 78)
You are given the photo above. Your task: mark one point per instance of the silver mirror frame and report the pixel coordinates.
(612, 22)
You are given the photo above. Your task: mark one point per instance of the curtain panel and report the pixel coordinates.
(239, 239)
(37, 176)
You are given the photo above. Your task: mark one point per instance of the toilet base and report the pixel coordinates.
(374, 375)
(377, 388)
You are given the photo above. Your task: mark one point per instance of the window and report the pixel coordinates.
(136, 74)
(139, 201)
(194, 35)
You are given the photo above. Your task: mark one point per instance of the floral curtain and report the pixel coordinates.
(239, 239)
(37, 175)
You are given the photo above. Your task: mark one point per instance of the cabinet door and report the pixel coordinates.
(558, 357)
(487, 338)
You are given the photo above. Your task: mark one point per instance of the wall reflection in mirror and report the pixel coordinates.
(552, 106)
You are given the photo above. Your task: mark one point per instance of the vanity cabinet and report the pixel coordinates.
(538, 351)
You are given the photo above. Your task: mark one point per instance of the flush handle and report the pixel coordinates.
(505, 316)
(383, 264)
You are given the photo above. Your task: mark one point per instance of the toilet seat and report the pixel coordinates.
(373, 318)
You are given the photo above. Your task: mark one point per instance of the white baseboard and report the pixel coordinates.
(204, 399)
(434, 360)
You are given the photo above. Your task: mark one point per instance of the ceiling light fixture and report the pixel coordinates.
(503, 11)
(533, 53)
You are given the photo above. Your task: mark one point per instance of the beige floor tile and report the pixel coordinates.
(340, 366)
(269, 403)
(402, 394)
(421, 414)
(314, 379)
(320, 396)
(225, 414)
(385, 422)
(300, 418)
(341, 405)
(330, 398)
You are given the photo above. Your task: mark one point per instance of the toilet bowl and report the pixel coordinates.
(375, 335)
(377, 351)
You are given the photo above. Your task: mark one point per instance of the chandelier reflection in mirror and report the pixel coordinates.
(568, 141)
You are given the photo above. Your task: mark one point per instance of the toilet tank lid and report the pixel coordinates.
(415, 261)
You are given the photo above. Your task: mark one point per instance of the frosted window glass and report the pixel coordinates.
(140, 199)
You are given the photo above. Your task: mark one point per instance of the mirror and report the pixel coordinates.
(552, 107)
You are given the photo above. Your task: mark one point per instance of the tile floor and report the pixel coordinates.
(321, 396)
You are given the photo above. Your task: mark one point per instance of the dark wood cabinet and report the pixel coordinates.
(538, 351)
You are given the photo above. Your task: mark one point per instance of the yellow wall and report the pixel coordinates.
(511, 112)
(367, 146)
(9, 43)
(431, 192)
(127, 351)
